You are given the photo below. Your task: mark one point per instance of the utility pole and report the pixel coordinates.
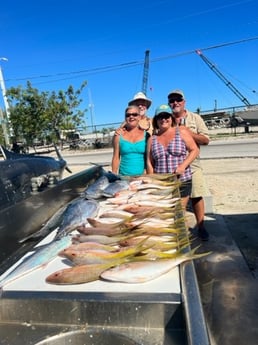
(91, 106)
(4, 128)
(4, 121)
(145, 72)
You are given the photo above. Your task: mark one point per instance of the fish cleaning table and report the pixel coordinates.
(135, 311)
(101, 312)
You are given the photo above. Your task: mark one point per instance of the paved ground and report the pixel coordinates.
(228, 277)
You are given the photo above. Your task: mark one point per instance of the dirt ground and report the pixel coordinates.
(233, 184)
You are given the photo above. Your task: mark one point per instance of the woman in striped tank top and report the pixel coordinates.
(171, 150)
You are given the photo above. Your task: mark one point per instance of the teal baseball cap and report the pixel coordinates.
(164, 108)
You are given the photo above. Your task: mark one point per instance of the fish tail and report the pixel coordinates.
(192, 253)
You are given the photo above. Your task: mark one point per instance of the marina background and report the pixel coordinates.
(54, 45)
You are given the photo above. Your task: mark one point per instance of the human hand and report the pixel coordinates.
(179, 170)
(119, 131)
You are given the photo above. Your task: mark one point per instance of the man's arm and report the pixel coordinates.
(200, 139)
(202, 135)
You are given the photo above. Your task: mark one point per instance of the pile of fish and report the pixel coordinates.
(131, 230)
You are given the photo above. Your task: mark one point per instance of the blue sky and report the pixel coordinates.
(54, 44)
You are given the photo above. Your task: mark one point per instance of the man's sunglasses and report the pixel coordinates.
(175, 99)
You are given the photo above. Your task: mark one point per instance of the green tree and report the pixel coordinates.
(37, 115)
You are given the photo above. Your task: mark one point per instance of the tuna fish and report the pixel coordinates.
(94, 191)
(50, 225)
(76, 214)
(115, 187)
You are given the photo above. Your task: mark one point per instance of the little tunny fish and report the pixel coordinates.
(115, 187)
(39, 258)
(50, 225)
(76, 214)
(112, 177)
(143, 271)
(94, 191)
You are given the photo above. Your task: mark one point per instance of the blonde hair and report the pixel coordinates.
(132, 107)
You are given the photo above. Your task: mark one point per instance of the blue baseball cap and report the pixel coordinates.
(164, 108)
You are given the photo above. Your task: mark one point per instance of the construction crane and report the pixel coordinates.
(145, 72)
(223, 78)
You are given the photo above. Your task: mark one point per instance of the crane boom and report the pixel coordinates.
(145, 72)
(223, 78)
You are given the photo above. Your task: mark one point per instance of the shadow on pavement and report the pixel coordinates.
(226, 277)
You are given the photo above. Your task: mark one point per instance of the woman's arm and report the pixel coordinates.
(192, 148)
(116, 155)
(149, 161)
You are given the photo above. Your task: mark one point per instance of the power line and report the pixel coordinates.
(130, 64)
(188, 52)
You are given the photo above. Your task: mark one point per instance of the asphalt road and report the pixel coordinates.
(216, 149)
(230, 148)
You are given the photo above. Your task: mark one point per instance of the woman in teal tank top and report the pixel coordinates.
(129, 148)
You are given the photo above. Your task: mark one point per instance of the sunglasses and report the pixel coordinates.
(142, 103)
(175, 99)
(131, 114)
(163, 116)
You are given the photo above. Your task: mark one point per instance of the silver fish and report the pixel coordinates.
(94, 191)
(115, 187)
(39, 258)
(49, 226)
(76, 214)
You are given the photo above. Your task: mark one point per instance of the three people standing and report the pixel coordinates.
(174, 142)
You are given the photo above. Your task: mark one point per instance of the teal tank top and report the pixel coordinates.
(132, 156)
